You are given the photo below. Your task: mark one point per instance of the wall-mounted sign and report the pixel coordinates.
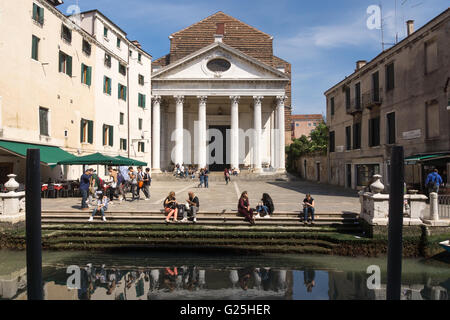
(414, 134)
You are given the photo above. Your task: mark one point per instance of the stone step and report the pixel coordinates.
(216, 222)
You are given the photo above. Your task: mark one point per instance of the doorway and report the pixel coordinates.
(318, 171)
(217, 167)
(349, 176)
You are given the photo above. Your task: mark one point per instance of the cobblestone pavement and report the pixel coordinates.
(287, 196)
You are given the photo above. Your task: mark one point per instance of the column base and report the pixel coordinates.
(281, 170)
(156, 171)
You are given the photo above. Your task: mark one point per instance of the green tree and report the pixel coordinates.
(320, 139)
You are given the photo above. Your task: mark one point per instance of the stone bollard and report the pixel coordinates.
(434, 207)
(11, 208)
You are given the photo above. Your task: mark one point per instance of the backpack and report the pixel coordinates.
(101, 183)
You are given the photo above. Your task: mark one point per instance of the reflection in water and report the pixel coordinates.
(133, 277)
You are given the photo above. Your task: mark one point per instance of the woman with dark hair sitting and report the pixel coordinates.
(267, 208)
(171, 207)
(244, 208)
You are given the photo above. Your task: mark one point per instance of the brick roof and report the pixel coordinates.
(307, 117)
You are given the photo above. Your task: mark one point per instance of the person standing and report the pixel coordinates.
(84, 189)
(201, 176)
(308, 207)
(140, 182)
(133, 182)
(147, 184)
(244, 208)
(434, 181)
(206, 173)
(121, 186)
(227, 176)
(113, 184)
(94, 184)
(194, 206)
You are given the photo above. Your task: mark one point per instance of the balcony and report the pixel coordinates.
(355, 107)
(372, 98)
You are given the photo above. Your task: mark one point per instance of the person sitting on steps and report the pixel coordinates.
(193, 205)
(102, 206)
(171, 207)
(244, 208)
(308, 207)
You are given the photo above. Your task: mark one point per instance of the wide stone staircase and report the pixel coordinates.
(243, 176)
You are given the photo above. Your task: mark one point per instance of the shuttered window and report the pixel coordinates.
(35, 48)
(332, 141)
(66, 34)
(86, 74)
(43, 122)
(357, 136)
(65, 63)
(108, 135)
(390, 76)
(358, 95)
(107, 84)
(347, 98)
(391, 131)
(87, 131)
(123, 144)
(140, 124)
(348, 138)
(141, 100)
(87, 47)
(122, 69)
(141, 80)
(141, 147)
(38, 14)
(122, 95)
(332, 106)
(122, 118)
(374, 132)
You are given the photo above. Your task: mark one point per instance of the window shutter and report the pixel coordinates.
(104, 134)
(109, 86)
(90, 132)
(143, 147)
(125, 93)
(89, 76)
(82, 73)
(82, 131)
(104, 85)
(35, 11)
(41, 15)
(69, 66)
(143, 101)
(60, 61)
(34, 47)
(111, 136)
(118, 91)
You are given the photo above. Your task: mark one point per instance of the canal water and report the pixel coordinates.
(156, 276)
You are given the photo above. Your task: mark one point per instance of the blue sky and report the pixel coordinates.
(322, 39)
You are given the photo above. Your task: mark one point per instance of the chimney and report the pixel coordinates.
(137, 44)
(360, 64)
(410, 27)
(220, 32)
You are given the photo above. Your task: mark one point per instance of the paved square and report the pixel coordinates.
(287, 196)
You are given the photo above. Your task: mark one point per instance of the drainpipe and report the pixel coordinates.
(128, 101)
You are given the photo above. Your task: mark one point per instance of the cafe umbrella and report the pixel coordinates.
(96, 159)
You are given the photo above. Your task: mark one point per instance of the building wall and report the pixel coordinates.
(415, 90)
(26, 84)
(304, 127)
(313, 168)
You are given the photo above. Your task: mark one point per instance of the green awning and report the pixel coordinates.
(94, 159)
(133, 162)
(49, 155)
(429, 157)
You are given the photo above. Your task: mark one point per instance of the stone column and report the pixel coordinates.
(281, 143)
(156, 134)
(257, 127)
(179, 130)
(434, 207)
(234, 145)
(273, 161)
(202, 131)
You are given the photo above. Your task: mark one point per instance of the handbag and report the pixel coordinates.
(141, 184)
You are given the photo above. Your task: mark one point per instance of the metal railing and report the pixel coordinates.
(444, 206)
(372, 98)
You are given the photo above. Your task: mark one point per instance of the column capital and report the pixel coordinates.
(156, 99)
(179, 99)
(202, 99)
(258, 99)
(235, 99)
(281, 99)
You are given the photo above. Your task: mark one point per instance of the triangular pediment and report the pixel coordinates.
(242, 66)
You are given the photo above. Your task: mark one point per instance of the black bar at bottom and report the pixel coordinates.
(33, 225)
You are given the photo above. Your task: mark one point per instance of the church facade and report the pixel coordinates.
(221, 99)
